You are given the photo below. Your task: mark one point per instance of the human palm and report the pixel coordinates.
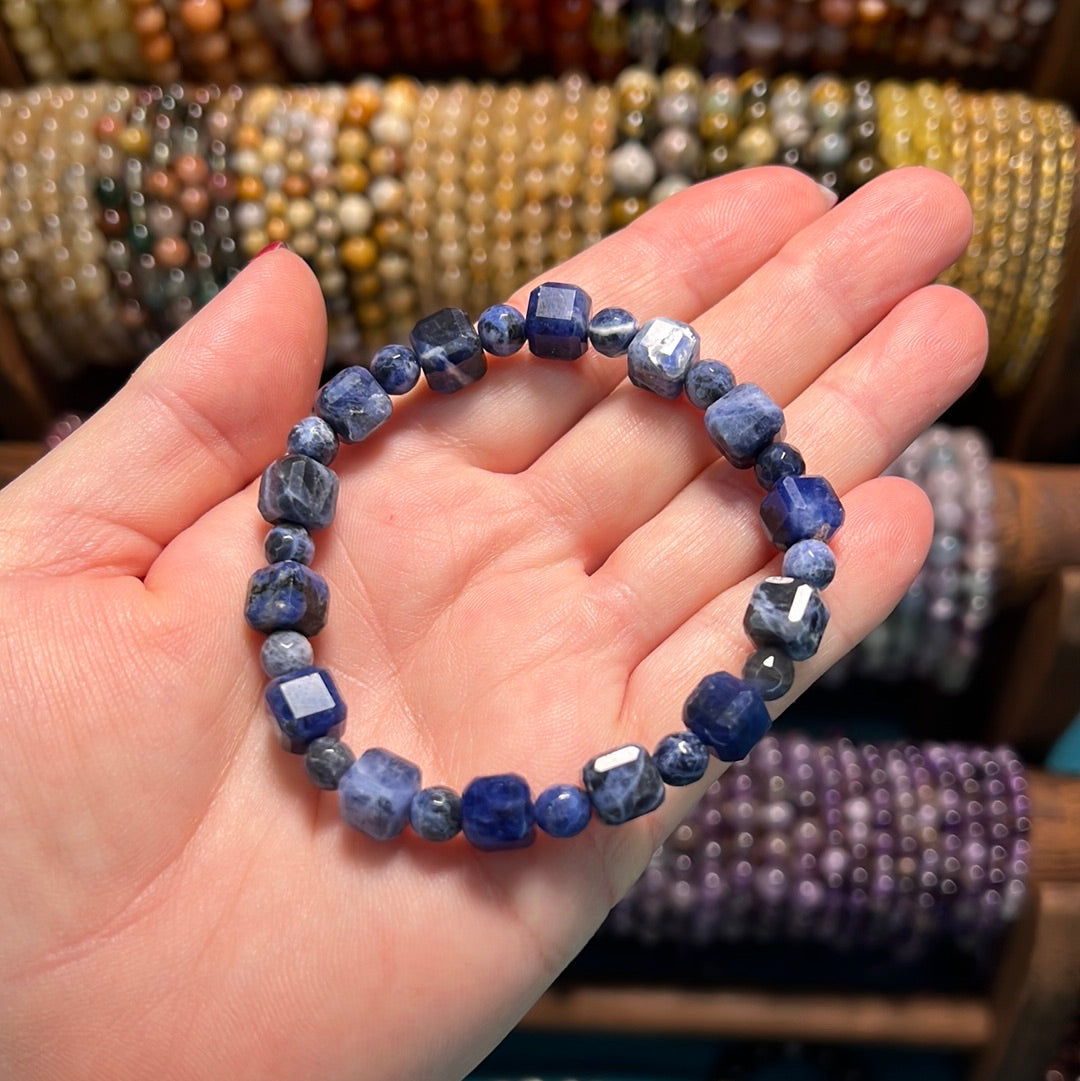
(522, 575)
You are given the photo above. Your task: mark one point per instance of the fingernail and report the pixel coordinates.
(272, 246)
(831, 198)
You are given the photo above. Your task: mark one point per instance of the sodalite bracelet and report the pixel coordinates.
(380, 793)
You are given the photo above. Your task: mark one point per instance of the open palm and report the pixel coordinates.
(522, 575)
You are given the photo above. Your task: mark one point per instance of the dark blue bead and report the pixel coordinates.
(315, 438)
(284, 652)
(396, 369)
(353, 404)
(623, 784)
(776, 461)
(801, 508)
(435, 813)
(326, 761)
(376, 792)
(306, 705)
(810, 560)
(298, 489)
(742, 423)
(708, 380)
(557, 321)
(770, 671)
(660, 356)
(681, 759)
(727, 715)
(287, 597)
(289, 541)
(611, 330)
(497, 812)
(501, 329)
(787, 613)
(449, 350)
(563, 810)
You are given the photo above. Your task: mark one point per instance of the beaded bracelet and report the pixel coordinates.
(379, 792)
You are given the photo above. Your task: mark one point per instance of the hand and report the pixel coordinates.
(523, 575)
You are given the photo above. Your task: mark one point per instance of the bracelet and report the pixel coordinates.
(379, 791)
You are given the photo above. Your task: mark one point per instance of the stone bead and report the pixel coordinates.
(681, 758)
(497, 812)
(743, 423)
(770, 671)
(812, 561)
(287, 597)
(623, 784)
(661, 354)
(787, 613)
(449, 350)
(298, 489)
(557, 321)
(501, 329)
(435, 813)
(396, 369)
(611, 330)
(632, 168)
(776, 461)
(563, 810)
(707, 381)
(326, 761)
(306, 705)
(284, 652)
(289, 541)
(314, 438)
(801, 508)
(727, 715)
(376, 793)
(353, 404)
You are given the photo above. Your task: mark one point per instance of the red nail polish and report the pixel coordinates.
(272, 246)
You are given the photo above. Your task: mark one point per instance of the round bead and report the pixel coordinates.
(611, 330)
(708, 380)
(681, 758)
(435, 813)
(563, 810)
(289, 541)
(776, 461)
(284, 652)
(770, 672)
(396, 369)
(812, 561)
(326, 761)
(314, 438)
(501, 329)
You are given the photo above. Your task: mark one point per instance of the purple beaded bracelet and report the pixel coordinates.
(380, 792)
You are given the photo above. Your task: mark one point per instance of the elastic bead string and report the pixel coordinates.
(379, 792)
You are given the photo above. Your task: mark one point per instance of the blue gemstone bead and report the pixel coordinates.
(306, 705)
(376, 793)
(623, 784)
(776, 461)
(284, 652)
(707, 380)
(801, 508)
(770, 671)
(727, 715)
(449, 350)
(497, 812)
(326, 761)
(611, 330)
(557, 321)
(287, 597)
(743, 423)
(315, 438)
(396, 369)
(501, 329)
(353, 404)
(563, 810)
(298, 489)
(810, 560)
(289, 541)
(681, 759)
(435, 813)
(787, 613)
(660, 356)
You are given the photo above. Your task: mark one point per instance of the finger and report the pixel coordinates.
(196, 422)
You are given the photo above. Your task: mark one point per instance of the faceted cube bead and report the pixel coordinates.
(611, 330)
(376, 793)
(563, 810)
(623, 784)
(681, 758)
(727, 715)
(353, 404)
(287, 597)
(801, 508)
(326, 761)
(787, 613)
(298, 489)
(497, 812)
(708, 380)
(435, 813)
(770, 671)
(742, 423)
(661, 354)
(313, 437)
(449, 350)
(776, 461)
(501, 329)
(557, 321)
(306, 705)
(812, 561)
(287, 540)
(396, 368)
(284, 652)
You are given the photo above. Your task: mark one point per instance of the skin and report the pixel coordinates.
(523, 575)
